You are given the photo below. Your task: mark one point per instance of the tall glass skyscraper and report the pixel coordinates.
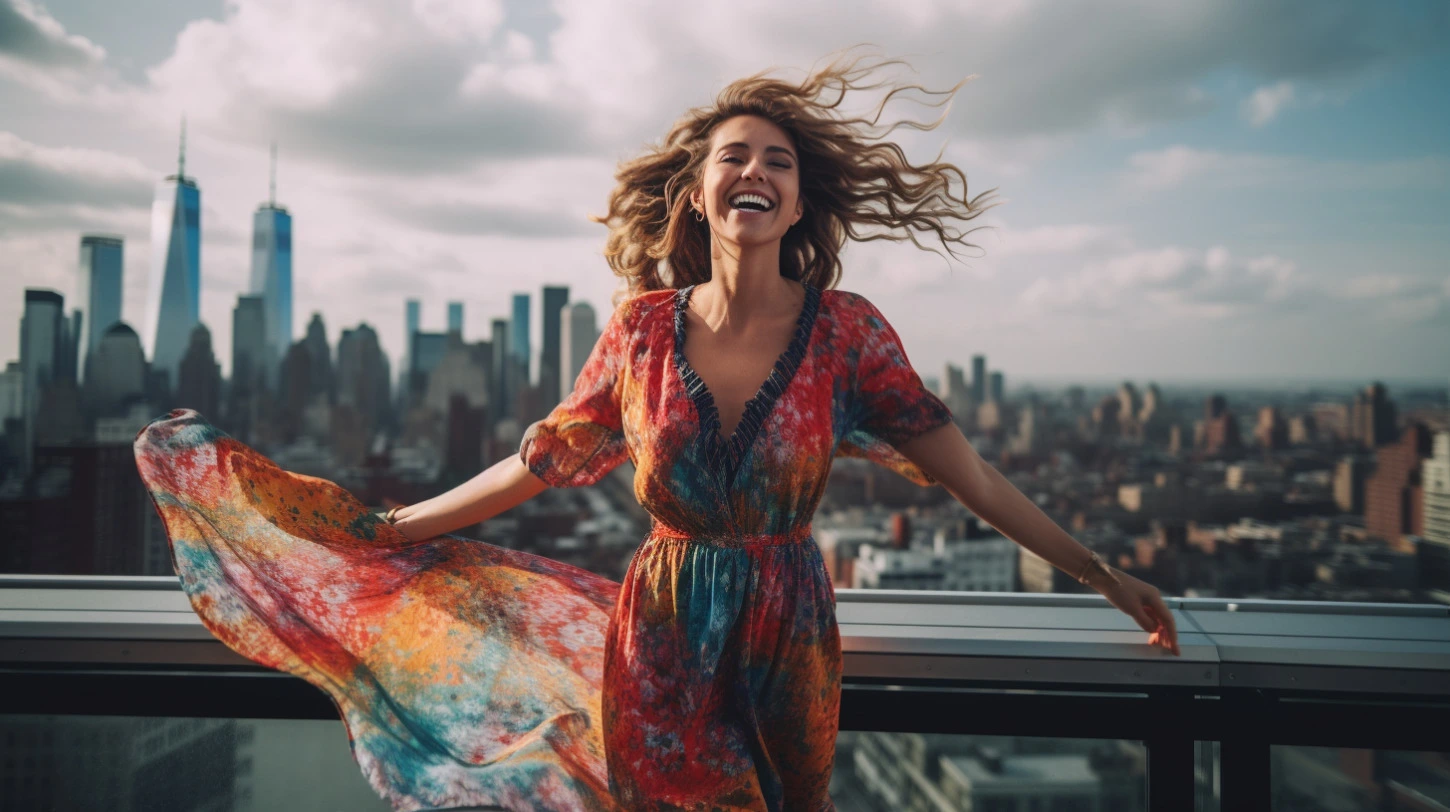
(42, 346)
(173, 302)
(519, 339)
(455, 317)
(272, 274)
(100, 291)
(550, 371)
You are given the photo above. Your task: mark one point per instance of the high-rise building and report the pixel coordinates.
(1434, 552)
(199, 377)
(455, 317)
(412, 323)
(363, 378)
(979, 379)
(100, 291)
(500, 394)
(577, 336)
(1373, 416)
(996, 387)
(1350, 475)
(1393, 501)
(249, 343)
(550, 373)
(173, 304)
(519, 346)
(272, 271)
(321, 356)
(43, 340)
(116, 377)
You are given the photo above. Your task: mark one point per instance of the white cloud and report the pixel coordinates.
(1166, 283)
(1265, 103)
(1174, 167)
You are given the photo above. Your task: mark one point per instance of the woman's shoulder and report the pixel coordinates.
(851, 307)
(636, 312)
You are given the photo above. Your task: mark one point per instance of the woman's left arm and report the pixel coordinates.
(945, 454)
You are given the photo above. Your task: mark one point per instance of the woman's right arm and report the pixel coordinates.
(501, 486)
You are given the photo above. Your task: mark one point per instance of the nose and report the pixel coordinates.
(754, 170)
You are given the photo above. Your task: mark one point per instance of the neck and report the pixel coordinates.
(746, 279)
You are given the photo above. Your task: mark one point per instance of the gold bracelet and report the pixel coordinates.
(392, 517)
(1095, 564)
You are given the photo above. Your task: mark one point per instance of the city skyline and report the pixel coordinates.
(1215, 216)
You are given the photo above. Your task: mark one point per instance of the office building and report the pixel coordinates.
(173, 304)
(550, 369)
(455, 317)
(1393, 502)
(272, 273)
(100, 291)
(43, 340)
(1434, 550)
(577, 335)
(979, 379)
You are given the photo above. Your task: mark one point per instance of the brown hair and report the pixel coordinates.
(853, 183)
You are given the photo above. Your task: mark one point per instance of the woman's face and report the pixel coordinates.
(750, 191)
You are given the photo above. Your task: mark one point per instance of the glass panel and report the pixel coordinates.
(887, 772)
(1206, 776)
(200, 765)
(1333, 779)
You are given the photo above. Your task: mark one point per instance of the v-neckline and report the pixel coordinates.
(723, 454)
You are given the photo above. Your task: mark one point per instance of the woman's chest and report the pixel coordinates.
(738, 416)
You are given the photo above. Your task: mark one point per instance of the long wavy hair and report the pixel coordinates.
(853, 183)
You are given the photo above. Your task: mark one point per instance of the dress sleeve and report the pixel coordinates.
(582, 439)
(890, 404)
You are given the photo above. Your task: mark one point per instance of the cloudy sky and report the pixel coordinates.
(1211, 190)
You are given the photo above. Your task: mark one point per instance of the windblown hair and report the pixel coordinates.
(853, 182)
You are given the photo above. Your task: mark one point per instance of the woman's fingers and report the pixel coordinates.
(1165, 632)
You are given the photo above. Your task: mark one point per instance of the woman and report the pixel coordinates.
(733, 374)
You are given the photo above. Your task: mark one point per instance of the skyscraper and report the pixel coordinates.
(272, 272)
(199, 377)
(249, 342)
(577, 338)
(42, 346)
(549, 369)
(455, 317)
(412, 322)
(173, 304)
(100, 291)
(979, 379)
(519, 338)
(499, 394)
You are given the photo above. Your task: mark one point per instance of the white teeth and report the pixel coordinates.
(759, 200)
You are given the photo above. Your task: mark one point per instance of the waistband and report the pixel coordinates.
(796, 535)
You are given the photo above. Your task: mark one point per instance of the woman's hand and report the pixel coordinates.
(1145, 606)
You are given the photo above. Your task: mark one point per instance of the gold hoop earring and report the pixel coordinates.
(699, 216)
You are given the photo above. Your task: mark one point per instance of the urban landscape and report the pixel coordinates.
(1301, 495)
(1206, 333)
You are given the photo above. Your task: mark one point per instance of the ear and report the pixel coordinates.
(697, 199)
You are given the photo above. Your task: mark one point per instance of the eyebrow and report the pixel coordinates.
(767, 149)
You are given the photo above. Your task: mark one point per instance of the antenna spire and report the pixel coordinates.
(272, 189)
(181, 156)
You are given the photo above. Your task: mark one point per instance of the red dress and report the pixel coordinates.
(468, 674)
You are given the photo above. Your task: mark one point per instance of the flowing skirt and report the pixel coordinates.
(466, 674)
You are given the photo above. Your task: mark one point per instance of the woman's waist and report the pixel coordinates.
(731, 538)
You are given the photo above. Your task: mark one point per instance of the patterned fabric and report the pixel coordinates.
(473, 675)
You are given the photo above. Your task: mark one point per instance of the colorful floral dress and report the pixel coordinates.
(469, 674)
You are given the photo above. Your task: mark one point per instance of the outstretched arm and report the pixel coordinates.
(945, 453)
(501, 486)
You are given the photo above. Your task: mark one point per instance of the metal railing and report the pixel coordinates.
(1252, 674)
